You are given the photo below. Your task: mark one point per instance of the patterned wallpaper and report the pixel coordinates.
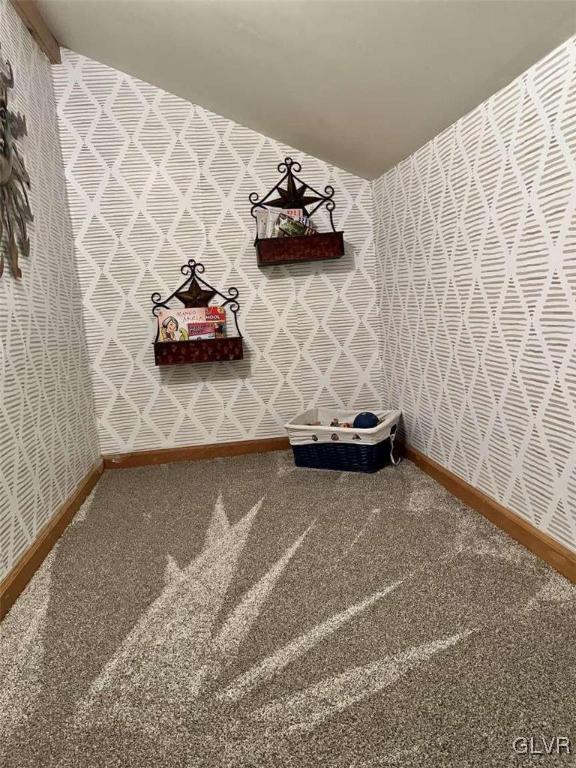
(48, 439)
(476, 235)
(154, 180)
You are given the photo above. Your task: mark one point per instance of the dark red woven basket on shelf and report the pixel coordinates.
(289, 250)
(292, 193)
(199, 351)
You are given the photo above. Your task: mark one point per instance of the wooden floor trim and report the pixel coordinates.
(541, 544)
(19, 576)
(194, 452)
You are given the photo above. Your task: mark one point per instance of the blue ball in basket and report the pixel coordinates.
(365, 420)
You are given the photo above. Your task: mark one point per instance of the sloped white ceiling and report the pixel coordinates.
(360, 84)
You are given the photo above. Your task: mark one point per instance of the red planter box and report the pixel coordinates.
(291, 250)
(200, 351)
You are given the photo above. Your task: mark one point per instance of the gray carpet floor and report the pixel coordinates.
(241, 612)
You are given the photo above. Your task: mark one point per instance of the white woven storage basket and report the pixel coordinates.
(300, 433)
(321, 446)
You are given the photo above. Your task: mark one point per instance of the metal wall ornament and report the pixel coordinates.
(292, 192)
(15, 211)
(296, 194)
(196, 292)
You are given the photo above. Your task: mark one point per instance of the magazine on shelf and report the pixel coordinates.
(266, 221)
(294, 213)
(290, 227)
(282, 222)
(201, 330)
(191, 324)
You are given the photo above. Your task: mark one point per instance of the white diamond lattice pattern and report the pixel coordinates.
(154, 180)
(48, 439)
(476, 236)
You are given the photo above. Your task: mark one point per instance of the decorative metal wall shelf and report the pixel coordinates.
(292, 192)
(196, 292)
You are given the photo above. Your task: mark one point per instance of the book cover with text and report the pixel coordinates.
(176, 324)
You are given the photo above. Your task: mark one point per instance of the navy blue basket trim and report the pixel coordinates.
(344, 457)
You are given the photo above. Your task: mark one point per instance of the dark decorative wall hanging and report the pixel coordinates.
(195, 292)
(293, 193)
(15, 213)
